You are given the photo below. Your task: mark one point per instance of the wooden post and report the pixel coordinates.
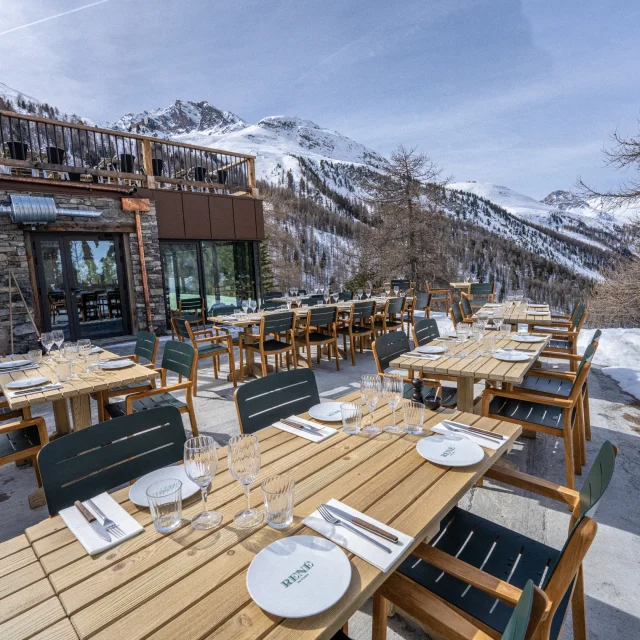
(251, 164)
(147, 165)
(11, 310)
(143, 272)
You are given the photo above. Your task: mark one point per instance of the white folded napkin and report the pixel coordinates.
(483, 442)
(354, 543)
(425, 356)
(85, 534)
(327, 432)
(510, 352)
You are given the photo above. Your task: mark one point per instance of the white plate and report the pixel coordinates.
(527, 337)
(116, 364)
(537, 313)
(431, 348)
(326, 411)
(450, 450)
(539, 306)
(298, 576)
(27, 382)
(138, 490)
(95, 350)
(12, 364)
(512, 356)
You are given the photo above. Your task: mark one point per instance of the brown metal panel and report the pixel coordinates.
(259, 219)
(244, 218)
(196, 216)
(170, 215)
(221, 216)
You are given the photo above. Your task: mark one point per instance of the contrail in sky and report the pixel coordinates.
(58, 15)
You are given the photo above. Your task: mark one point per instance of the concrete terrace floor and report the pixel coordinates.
(612, 566)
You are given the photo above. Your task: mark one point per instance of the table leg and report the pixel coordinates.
(80, 412)
(61, 416)
(465, 394)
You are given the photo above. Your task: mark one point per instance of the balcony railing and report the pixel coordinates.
(53, 150)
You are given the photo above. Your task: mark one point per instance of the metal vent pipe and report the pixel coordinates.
(40, 210)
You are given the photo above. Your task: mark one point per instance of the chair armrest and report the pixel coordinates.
(213, 338)
(205, 332)
(467, 573)
(552, 375)
(506, 475)
(131, 356)
(130, 399)
(518, 394)
(561, 356)
(23, 424)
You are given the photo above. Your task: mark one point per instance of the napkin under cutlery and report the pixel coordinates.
(425, 356)
(41, 389)
(354, 543)
(316, 432)
(24, 367)
(459, 429)
(85, 534)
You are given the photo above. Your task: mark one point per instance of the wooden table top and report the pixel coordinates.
(521, 314)
(476, 366)
(87, 383)
(192, 584)
(462, 285)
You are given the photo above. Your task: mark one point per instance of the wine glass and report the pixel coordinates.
(58, 338)
(370, 390)
(243, 459)
(396, 289)
(245, 306)
(46, 340)
(367, 292)
(84, 350)
(359, 294)
(253, 306)
(387, 290)
(201, 465)
(334, 297)
(392, 391)
(326, 296)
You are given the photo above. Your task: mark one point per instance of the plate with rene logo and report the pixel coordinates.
(298, 576)
(450, 450)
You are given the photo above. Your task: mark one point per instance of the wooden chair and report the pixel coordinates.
(192, 310)
(206, 345)
(564, 341)
(179, 358)
(268, 295)
(466, 309)
(562, 417)
(445, 621)
(345, 296)
(457, 317)
(89, 307)
(101, 457)
(440, 295)
(313, 300)
(403, 284)
(358, 325)
(480, 293)
(270, 305)
(390, 319)
(467, 565)
(319, 328)
(424, 331)
(281, 328)
(262, 402)
(422, 303)
(147, 348)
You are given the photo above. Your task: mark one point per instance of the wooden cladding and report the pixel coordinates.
(196, 216)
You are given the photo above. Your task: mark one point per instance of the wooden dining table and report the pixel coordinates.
(474, 366)
(192, 584)
(519, 314)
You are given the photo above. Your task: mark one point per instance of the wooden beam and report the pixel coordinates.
(136, 204)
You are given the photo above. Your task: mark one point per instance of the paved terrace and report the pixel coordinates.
(612, 567)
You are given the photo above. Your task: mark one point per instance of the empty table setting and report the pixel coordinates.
(518, 313)
(343, 510)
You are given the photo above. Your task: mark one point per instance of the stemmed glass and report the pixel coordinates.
(84, 349)
(243, 459)
(370, 391)
(46, 340)
(396, 289)
(245, 306)
(326, 296)
(387, 290)
(367, 292)
(70, 353)
(463, 331)
(201, 465)
(58, 338)
(359, 294)
(392, 390)
(253, 306)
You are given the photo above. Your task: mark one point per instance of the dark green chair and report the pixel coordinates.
(312, 301)
(192, 310)
(103, 456)
(501, 561)
(564, 340)
(270, 305)
(319, 329)
(178, 358)
(480, 293)
(345, 296)
(358, 325)
(391, 318)
(456, 315)
(465, 307)
(262, 402)
(402, 284)
(268, 295)
(424, 331)
(422, 302)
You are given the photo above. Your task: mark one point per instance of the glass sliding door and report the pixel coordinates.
(181, 271)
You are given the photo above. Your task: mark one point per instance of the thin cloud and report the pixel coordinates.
(58, 15)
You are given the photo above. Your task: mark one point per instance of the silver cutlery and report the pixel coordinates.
(91, 519)
(304, 427)
(107, 523)
(456, 429)
(25, 367)
(363, 524)
(331, 519)
(48, 387)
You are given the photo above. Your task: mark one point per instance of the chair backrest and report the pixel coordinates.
(527, 614)
(262, 402)
(401, 283)
(190, 305)
(271, 294)
(422, 301)
(424, 331)
(362, 310)
(177, 357)
(482, 289)
(466, 306)
(579, 316)
(389, 346)
(269, 305)
(345, 296)
(181, 327)
(146, 346)
(595, 338)
(323, 316)
(456, 314)
(277, 323)
(302, 292)
(587, 356)
(108, 454)
(226, 310)
(311, 302)
(395, 305)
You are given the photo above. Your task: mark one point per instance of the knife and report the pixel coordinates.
(303, 427)
(47, 387)
(363, 524)
(91, 519)
(480, 432)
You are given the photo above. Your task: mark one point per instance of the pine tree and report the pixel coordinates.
(266, 267)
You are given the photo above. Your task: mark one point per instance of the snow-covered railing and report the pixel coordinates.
(37, 148)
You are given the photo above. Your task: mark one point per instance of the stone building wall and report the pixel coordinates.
(13, 256)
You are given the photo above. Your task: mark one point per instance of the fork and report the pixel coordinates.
(107, 523)
(453, 429)
(331, 519)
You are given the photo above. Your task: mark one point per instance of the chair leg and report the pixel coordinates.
(263, 362)
(567, 434)
(288, 358)
(587, 415)
(294, 354)
(353, 350)
(578, 611)
(344, 344)
(309, 359)
(240, 354)
(577, 448)
(232, 366)
(216, 365)
(335, 346)
(379, 618)
(195, 378)
(277, 361)
(581, 434)
(192, 418)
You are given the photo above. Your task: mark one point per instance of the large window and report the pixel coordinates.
(224, 272)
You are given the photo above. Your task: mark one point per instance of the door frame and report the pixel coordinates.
(69, 278)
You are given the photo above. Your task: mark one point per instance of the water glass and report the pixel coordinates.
(370, 391)
(63, 370)
(278, 492)
(165, 504)
(351, 417)
(243, 459)
(413, 417)
(35, 355)
(84, 350)
(70, 353)
(201, 465)
(490, 343)
(392, 391)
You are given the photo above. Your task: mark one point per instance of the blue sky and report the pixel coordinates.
(521, 93)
